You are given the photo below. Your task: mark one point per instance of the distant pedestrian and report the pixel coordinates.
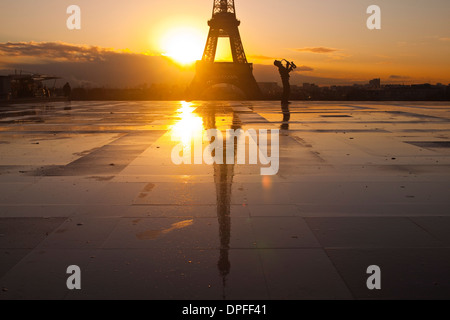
(67, 90)
(46, 92)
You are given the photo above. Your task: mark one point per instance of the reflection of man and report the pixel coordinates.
(284, 73)
(67, 90)
(286, 116)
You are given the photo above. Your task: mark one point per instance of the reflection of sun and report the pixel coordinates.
(190, 125)
(267, 182)
(184, 45)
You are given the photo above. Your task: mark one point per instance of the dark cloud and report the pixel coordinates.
(397, 77)
(54, 51)
(304, 68)
(317, 50)
(90, 65)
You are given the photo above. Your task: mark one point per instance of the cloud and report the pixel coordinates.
(332, 54)
(96, 66)
(304, 68)
(445, 39)
(317, 50)
(261, 57)
(397, 77)
(59, 51)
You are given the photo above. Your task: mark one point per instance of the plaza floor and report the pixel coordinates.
(93, 184)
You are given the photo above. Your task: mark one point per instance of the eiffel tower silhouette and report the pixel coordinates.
(209, 73)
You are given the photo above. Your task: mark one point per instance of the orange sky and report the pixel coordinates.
(328, 38)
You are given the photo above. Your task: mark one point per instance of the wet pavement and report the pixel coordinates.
(93, 184)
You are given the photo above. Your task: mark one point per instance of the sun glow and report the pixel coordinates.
(184, 45)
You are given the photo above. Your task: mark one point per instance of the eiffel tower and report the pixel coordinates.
(239, 73)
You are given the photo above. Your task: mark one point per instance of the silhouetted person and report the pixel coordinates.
(67, 90)
(284, 73)
(46, 92)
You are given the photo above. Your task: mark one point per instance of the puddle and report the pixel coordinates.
(109, 178)
(335, 116)
(147, 189)
(85, 153)
(430, 144)
(154, 234)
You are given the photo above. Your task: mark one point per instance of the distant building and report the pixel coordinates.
(5, 87)
(309, 86)
(295, 88)
(23, 85)
(375, 83)
(269, 88)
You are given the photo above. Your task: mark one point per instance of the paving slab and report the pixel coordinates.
(302, 274)
(375, 232)
(407, 273)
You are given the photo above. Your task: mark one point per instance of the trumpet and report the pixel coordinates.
(293, 65)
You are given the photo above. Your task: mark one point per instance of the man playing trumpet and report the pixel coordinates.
(285, 70)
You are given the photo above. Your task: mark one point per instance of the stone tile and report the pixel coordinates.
(301, 274)
(80, 233)
(204, 233)
(10, 257)
(161, 274)
(152, 274)
(327, 210)
(242, 235)
(41, 275)
(37, 211)
(101, 211)
(8, 190)
(283, 232)
(177, 194)
(257, 194)
(359, 232)
(116, 193)
(201, 211)
(407, 273)
(26, 233)
(53, 192)
(70, 146)
(273, 210)
(437, 226)
(246, 280)
(164, 233)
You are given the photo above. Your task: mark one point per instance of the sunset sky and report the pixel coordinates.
(328, 39)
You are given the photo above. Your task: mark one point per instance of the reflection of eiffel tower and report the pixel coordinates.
(239, 73)
(223, 179)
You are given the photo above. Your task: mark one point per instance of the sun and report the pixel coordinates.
(184, 45)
